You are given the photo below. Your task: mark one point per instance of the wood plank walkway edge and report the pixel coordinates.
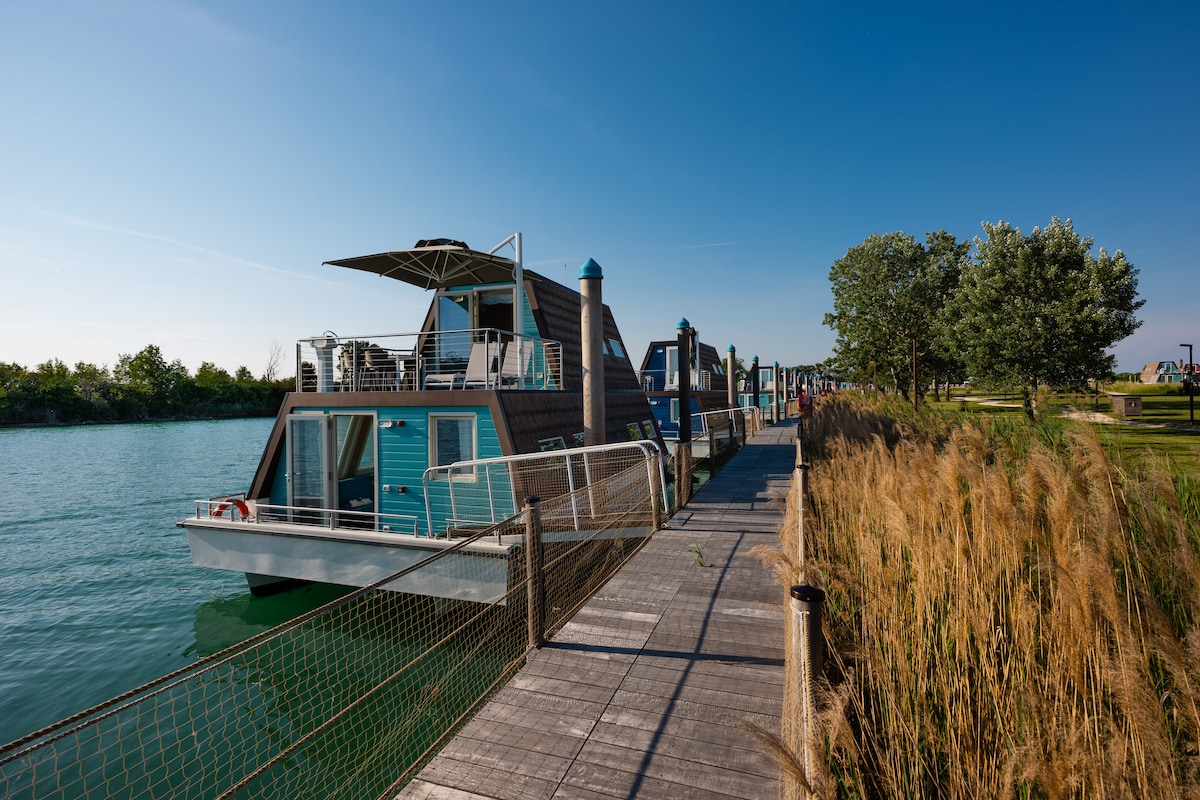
(640, 693)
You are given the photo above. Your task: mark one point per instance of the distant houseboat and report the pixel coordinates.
(659, 375)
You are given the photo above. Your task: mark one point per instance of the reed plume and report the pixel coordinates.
(1009, 613)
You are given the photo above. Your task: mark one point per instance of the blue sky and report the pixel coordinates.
(175, 173)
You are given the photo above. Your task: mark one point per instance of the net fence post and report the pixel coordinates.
(535, 579)
(807, 648)
(801, 503)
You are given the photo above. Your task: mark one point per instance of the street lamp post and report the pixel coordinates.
(1188, 381)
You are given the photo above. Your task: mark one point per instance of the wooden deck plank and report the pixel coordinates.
(642, 693)
(688, 777)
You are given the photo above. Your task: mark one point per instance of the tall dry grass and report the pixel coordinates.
(1008, 614)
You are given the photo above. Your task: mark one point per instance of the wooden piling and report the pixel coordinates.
(535, 585)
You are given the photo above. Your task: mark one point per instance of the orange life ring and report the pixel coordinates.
(222, 507)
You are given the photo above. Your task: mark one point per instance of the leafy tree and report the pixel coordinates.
(12, 398)
(1040, 309)
(53, 390)
(210, 375)
(212, 383)
(95, 388)
(161, 387)
(888, 295)
(946, 259)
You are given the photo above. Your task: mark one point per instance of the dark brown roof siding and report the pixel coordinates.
(534, 416)
(558, 308)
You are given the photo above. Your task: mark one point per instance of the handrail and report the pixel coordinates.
(495, 471)
(581, 456)
(468, 358)
(664, 380)
(256, 513)
(703, 418)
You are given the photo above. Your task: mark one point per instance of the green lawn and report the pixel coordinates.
(1163, 428)
(1167, 409)
(1130, 443)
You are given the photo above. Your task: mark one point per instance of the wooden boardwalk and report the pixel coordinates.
(640, 693)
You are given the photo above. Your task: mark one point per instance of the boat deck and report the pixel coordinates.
(641, 693)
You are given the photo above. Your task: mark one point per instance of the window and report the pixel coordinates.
(451, 438)
(553, 443)
(616, 349)
(355, 444)
(494, 309)
(466, 310)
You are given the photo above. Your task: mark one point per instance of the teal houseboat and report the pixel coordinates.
(394, 443)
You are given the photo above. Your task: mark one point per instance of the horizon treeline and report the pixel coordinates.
(139, 387)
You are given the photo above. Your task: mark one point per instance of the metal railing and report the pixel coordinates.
(742, 419)
(466, 495)
(661, 380)
(703, 421)
(477, 358)
(485, 491)
(236, 508)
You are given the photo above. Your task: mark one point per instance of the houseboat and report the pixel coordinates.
(393, 444)
(709, 385)
(774, 389)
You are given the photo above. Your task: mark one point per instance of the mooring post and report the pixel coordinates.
(754, 384)
(535, 585)
(807, 647)
(776, 409)
(591, 322)
(731, 389)
(683, 341)
(683, 474)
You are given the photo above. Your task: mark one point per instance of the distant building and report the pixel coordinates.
(1162, 372)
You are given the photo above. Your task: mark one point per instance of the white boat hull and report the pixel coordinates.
(272, 551)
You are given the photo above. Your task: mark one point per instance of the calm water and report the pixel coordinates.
(98, 594)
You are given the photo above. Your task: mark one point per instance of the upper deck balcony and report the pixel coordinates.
(477, 358)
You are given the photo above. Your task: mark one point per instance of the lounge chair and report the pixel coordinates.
(517, 356)
(442, 380)
(482, 367)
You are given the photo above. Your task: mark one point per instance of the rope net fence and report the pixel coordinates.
(349, 700)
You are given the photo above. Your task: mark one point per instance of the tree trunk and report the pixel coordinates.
(916, 388)
(901, 387)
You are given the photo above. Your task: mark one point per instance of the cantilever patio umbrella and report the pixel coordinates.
(436, 264)
(443, 263)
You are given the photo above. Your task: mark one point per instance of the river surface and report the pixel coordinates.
(98, 594)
